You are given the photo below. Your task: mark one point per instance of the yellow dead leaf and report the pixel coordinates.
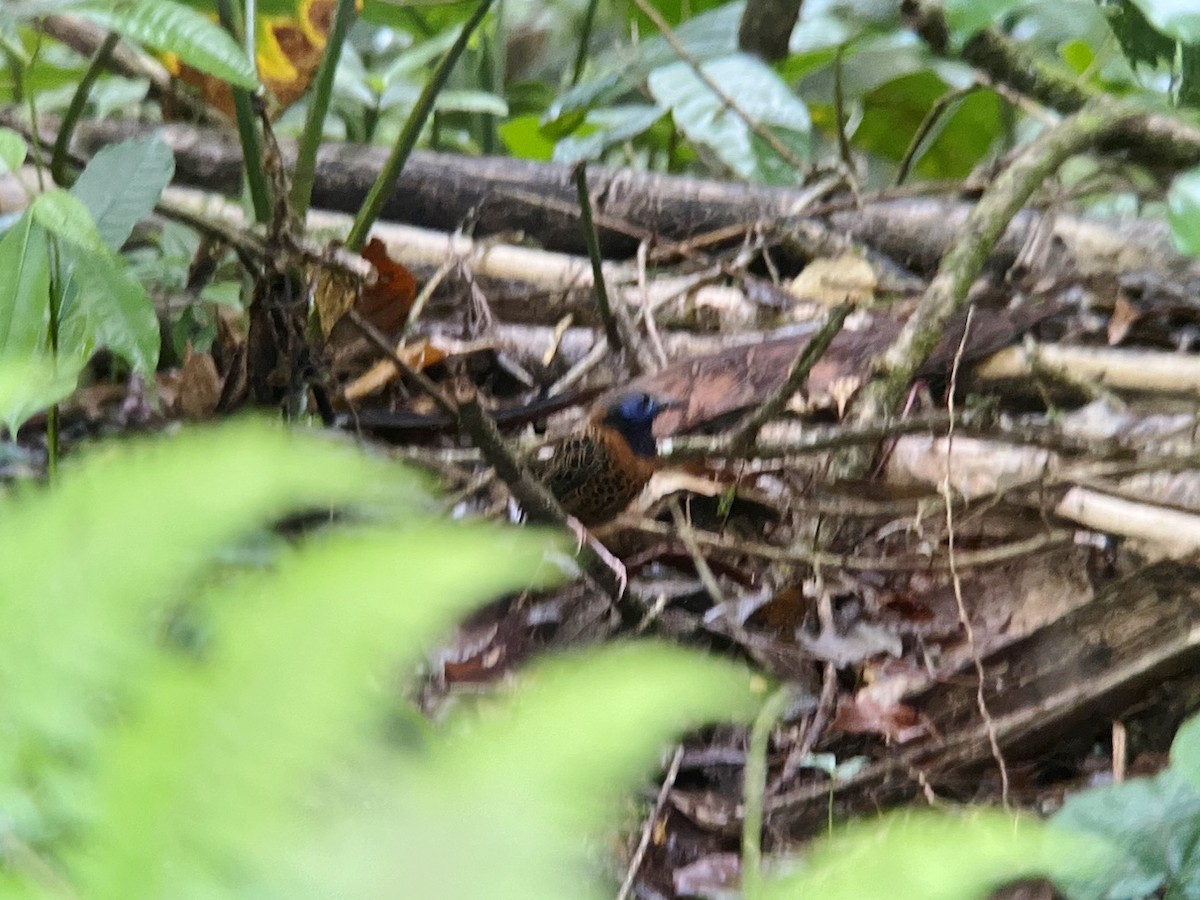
(843, 279)
(335, 295)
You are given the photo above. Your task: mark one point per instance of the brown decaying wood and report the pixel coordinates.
(1086, 665)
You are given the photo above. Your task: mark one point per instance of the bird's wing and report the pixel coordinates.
(574, 463)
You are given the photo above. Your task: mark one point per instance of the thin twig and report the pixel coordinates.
(839, 110)
(955, 578)
(811, 441)
(664, 791)
(767, 136)
(746, 431)
(687, 534)
(796, 555)
(535, 498)
(935, 112)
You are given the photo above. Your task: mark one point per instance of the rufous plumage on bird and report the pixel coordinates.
(597, 473)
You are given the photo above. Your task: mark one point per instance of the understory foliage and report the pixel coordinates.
(193, 706)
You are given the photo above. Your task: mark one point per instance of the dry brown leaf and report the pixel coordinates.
(418, 355)
(1123, 317)
(386, 303)
(335, 295)
(868, 714)
(199, 388)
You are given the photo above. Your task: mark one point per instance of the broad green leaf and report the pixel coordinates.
(413, 62)
(109, 308)
(965, 17)
(1178, 19)
(710, 35)
(24, 289)
(229, 753)
(932, 856)
(12, 150)
(65, 217)
(172, 27)
(523, 137)
(962, 136)
(1140, 41)
(85, 569)
(1183, 211)
(613, 126)
(1151, 827)
(676, 12)
(520, 791)
(707, 120)
(121, 184)
(32, 385)
(10, 39)
(1185, 752)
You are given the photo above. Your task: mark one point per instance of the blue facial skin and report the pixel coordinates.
(633, 417)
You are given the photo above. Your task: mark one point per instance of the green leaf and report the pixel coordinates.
(965, 17)
(1140, 41)
(962, 136)
(65, 217)
(12, 150)
(1185, 751)
(1151, 827)
(86, 568)
(613, 126)
(1178, 19)
(24, 289)
(227, 755)
(523, 137)
(32, 385)
(468, 101)
(1183, 211)
(932, 856)
(710, 35)
(706, 119)
(171, 27)
(411, 63)
(121, 184)
(519, 792)
(108, 308)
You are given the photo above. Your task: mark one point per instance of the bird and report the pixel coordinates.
(597, 472)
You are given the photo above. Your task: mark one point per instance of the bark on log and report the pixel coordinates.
(442, 191)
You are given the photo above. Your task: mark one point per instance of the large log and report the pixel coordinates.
(443, 191)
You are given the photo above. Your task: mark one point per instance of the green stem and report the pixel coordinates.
(612, 330)
(585, 37)
(252, 154)
(754, 786)
(60, 169)
(385, 184)
(318, 106)
(55, 302)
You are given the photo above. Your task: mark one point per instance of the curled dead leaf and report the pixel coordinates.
(830, 281)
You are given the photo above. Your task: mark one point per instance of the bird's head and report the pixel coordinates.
(633, 415)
